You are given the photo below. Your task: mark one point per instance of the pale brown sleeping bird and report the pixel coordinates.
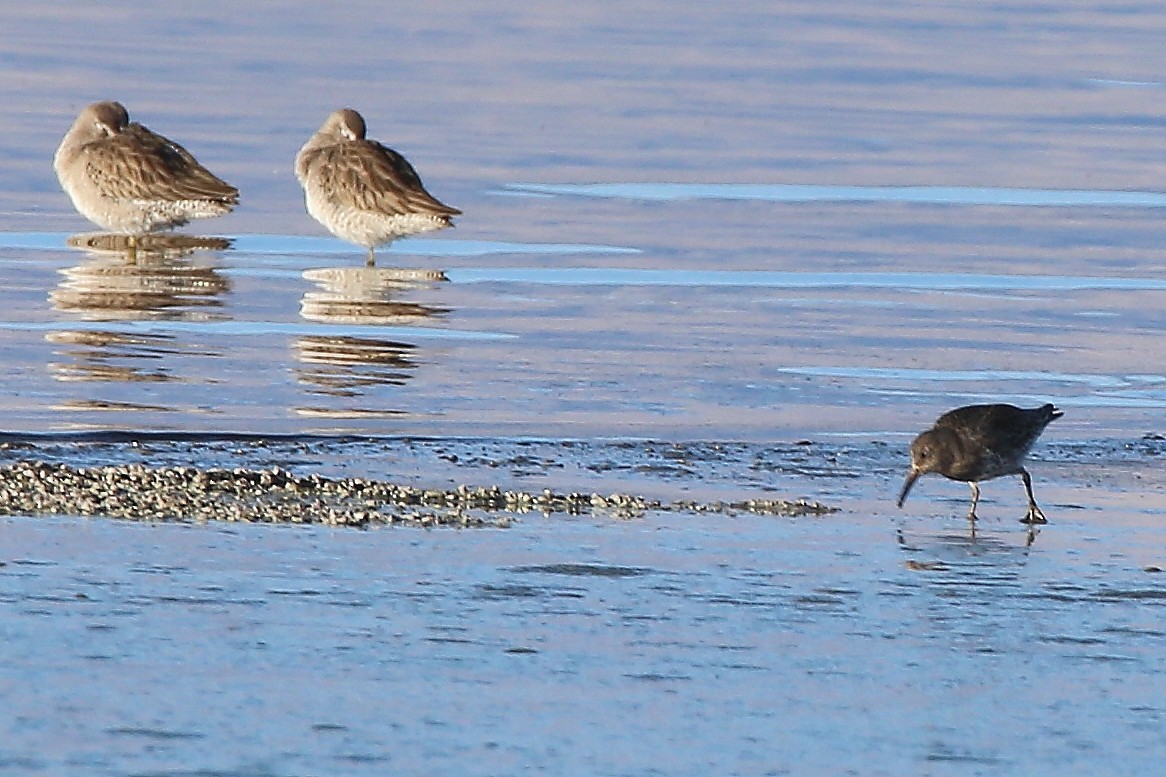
(127, 179)
(363, 191)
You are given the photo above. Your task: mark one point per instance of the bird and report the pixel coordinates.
(363, 191)
(981, 442)
(130, 180)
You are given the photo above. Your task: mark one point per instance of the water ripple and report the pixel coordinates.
(926, 195)
(910, 281)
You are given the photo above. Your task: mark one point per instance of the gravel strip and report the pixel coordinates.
(138, 492)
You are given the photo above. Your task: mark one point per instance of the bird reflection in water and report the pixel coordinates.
(343, 366)
(348, 367)
(92, 356)
(149, 277)
(124, 279)
(365, 296)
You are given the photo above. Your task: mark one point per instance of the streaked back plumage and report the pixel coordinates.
(361, 190)
(126, 178)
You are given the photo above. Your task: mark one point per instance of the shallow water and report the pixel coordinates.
(683, 646)
(282, 336)
(707, 254)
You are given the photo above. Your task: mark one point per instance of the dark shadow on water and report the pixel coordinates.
(583, 570)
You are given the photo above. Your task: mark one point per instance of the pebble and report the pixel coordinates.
(184, 493)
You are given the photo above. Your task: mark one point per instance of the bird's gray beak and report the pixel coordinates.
(911, 478)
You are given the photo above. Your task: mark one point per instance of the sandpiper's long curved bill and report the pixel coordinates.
(910, 481)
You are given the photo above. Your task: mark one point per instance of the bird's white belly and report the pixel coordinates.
(368, 228)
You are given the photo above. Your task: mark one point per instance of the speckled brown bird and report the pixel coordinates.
(362, 191)
(981, 442)
(127, 179)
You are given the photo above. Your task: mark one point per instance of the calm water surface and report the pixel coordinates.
(695, 238)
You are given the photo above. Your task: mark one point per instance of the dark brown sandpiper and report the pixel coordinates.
(127, 179)
(362, 191)
(981, 442)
